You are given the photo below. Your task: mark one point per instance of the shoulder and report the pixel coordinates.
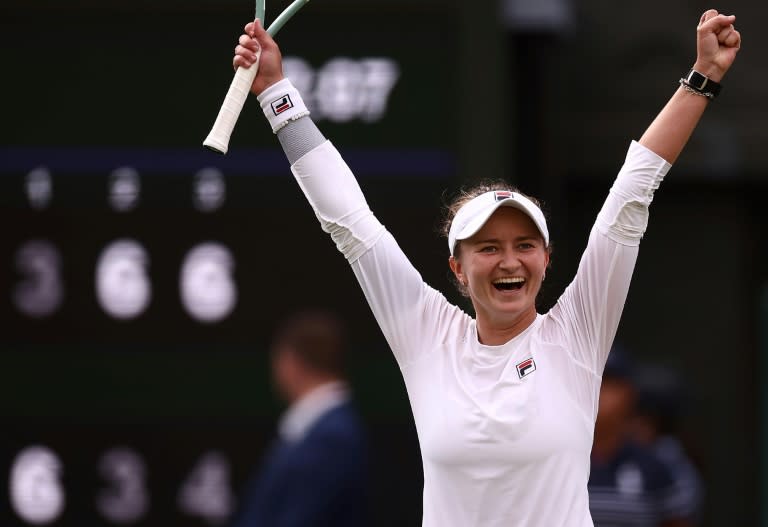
(340, 425)
(335, 446)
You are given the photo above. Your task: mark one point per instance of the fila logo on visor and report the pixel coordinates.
(501, 195)
(282, 104)
(526, 368)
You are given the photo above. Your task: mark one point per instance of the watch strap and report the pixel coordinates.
(701, 84)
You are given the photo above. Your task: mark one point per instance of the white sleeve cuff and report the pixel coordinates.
(282, 104)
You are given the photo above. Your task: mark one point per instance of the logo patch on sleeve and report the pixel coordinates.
(282, 104)
(526, 367)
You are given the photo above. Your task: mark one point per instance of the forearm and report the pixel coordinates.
(332, 191)
(299, 137)
(323, 176)
(717, 43)
(670, 131)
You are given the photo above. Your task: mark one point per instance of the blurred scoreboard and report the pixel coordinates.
(140, 275)
(119, 226)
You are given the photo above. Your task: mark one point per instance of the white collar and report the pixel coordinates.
(302, 414)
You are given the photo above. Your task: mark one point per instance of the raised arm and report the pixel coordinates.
(400, 300)
(717, 43)
(590, 308)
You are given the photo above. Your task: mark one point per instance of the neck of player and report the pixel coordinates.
(496, 331)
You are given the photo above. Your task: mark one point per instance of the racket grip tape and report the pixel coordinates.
(218, 138)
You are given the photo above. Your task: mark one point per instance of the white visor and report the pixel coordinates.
(473, 215)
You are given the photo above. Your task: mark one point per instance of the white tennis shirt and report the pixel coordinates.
(505, 431)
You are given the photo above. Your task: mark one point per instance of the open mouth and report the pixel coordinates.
(509, 284)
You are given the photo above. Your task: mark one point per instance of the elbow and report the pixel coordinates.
(629, 224)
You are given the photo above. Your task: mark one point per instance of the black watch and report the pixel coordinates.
(702, 84)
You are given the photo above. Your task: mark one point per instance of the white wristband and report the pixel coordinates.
(282, 104)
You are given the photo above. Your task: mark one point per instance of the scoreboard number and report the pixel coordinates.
(41, 291)
(124, 189)
(125, 500)
(37, 495)
(122, 285)
(208, 290)
(39, 186)
(206, 492)
(345, 89)
(210, 189)
(207, 286)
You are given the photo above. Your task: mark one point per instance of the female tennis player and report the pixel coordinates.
(505, 401)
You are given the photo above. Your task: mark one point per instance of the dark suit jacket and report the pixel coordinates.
(318, 481)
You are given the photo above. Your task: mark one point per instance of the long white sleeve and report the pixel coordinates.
(339, 204)
(588, 312)
(407, 310)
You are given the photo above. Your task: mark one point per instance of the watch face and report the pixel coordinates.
(702, 84)
(699, 80)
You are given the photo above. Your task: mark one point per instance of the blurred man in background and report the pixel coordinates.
(314, 475)
(629, 485)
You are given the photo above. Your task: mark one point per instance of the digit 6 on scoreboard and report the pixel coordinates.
(37, 495)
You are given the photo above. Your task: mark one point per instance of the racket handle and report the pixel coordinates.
(218, 138)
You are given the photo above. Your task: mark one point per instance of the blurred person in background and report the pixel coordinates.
(629, 485)
(657, 425)
(315, 473)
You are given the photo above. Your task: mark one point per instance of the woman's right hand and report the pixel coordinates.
(270, 62)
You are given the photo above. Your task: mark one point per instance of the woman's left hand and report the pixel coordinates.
(717, 43)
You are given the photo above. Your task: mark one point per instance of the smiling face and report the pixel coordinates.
(502, 265)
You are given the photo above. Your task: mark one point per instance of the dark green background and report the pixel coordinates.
(115, 82)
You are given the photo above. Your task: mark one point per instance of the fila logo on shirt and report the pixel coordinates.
(282, 104)
(526, 367)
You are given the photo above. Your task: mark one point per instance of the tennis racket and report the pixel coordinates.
(218, 138)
